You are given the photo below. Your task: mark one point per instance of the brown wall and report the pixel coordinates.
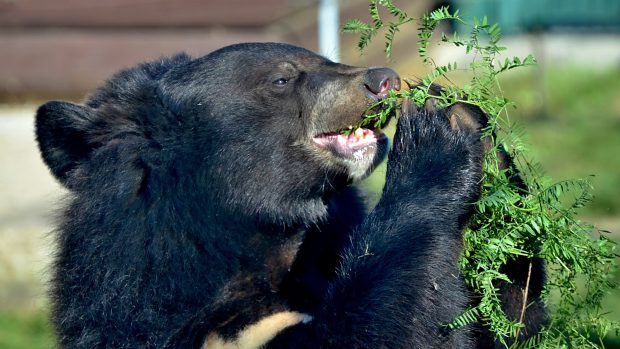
(70, 46)
(143, 13)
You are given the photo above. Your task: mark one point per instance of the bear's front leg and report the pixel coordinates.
(398, 285)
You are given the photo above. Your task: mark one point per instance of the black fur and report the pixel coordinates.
(200, 205)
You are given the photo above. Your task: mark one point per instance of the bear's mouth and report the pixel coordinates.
(353, 145)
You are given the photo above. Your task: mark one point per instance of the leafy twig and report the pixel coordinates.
(509, 221)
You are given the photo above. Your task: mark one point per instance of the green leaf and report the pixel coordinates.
(355, 26)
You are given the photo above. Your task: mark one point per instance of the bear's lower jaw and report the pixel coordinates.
(353, 146)
(359, 153)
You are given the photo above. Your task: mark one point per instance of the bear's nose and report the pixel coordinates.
(379, 80)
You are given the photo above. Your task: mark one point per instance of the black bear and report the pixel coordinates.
(211, 206)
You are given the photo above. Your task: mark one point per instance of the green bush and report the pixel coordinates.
(540, 222)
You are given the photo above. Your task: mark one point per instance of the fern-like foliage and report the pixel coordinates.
(509, 221)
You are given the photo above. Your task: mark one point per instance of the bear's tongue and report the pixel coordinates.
(346, 144)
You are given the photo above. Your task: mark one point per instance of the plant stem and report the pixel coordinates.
(524, 305)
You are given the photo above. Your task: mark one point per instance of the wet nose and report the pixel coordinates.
(379, 80)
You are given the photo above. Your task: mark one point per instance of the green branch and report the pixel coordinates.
(509, 222)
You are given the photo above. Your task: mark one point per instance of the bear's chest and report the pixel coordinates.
(272, 256)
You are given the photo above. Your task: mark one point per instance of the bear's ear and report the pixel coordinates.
(61, 130)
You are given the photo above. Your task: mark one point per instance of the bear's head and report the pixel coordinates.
(252, 127)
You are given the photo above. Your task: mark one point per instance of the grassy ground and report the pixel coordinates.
(572, 116)
(25, 330)
(574, 127)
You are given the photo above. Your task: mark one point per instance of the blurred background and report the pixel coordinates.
(569, 103)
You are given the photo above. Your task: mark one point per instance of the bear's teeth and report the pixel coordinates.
(361, 137)
(359, 133)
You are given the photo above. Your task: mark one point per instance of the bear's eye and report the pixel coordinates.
(280, 82)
